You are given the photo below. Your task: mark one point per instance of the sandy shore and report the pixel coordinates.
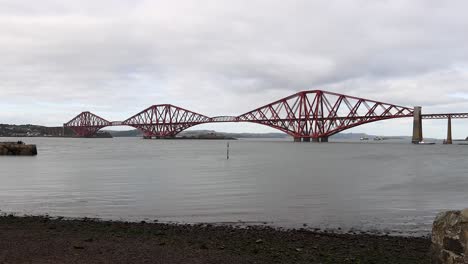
(45, 240)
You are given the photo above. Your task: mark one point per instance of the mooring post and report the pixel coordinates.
(227, 151)
(449, 130)
(417, 126)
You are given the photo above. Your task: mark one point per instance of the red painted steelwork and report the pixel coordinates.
(87, 124)
(221, 119)
(319, 114)
(307, 114)
(165, 120)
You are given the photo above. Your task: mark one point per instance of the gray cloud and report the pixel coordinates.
(227, 57)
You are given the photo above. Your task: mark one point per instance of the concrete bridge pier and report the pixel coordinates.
(315, 139)
(449, 130)
(306, 139)
(297, 139)
(417, 125)
(324, 139)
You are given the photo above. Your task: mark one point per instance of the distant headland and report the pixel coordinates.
(8, 130)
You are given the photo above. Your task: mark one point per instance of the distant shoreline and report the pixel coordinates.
(19, 131)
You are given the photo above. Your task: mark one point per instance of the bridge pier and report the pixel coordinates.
(417, 126)
(308, 139)
(449, 130)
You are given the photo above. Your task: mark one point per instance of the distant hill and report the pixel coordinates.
(196, 133)
(7, 130)
(350, 135)
(364, 135)
(126, 133)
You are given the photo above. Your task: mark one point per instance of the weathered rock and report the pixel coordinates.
(17, 148)
(450, 238)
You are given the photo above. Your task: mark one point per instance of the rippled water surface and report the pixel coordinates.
(390, 187)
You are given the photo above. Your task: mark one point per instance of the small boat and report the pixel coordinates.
(425, 143)
(364, 138)
(378, 138)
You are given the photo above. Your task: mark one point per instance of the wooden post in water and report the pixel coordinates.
(227, 151)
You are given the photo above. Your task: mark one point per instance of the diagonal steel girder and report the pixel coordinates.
(318, 114)
(165, 120)
(306, 114)
(86, 124)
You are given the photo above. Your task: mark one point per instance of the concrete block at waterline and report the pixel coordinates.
(17, 149)
(450, 238)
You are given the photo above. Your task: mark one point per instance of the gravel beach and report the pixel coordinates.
(41, 239)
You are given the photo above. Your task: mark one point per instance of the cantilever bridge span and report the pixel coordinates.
(305, 115)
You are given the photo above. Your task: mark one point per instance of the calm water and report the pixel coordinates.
(390, 187)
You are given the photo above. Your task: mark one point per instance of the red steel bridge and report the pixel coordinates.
(308, 115)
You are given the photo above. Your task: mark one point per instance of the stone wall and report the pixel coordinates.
(17, 148)
(450, 238)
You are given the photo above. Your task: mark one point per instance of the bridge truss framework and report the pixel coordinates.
(305, 115)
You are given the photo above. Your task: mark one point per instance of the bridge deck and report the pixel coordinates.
(306, 114)
(445, 116)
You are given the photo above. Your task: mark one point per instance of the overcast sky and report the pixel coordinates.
(115, 58)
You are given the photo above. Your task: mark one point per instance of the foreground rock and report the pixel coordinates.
(450, 238)
(45, 240)
(17, 148)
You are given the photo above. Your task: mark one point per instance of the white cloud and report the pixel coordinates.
(228, 57)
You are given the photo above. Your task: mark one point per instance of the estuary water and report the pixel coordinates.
(392, 187)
